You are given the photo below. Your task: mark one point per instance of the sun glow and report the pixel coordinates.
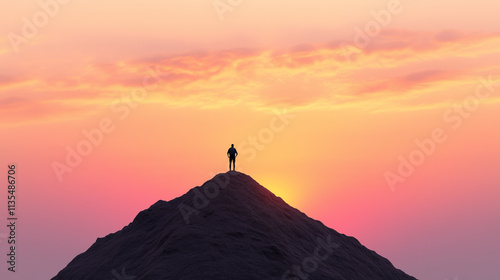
(281, 187)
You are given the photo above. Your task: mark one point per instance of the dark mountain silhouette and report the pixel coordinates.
(229, 228)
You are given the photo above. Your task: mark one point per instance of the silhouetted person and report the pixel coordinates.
(232, 154)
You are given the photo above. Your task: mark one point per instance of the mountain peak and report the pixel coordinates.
(230, 227)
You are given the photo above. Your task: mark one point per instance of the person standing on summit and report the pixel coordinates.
(232, 154)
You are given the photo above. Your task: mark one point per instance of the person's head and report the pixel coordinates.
(232, 145)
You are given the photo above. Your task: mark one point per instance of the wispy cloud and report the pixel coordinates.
(397, 64)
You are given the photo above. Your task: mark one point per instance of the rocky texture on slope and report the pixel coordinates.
(229, 228)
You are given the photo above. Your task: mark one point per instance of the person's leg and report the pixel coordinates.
(231, 160)
(234, 163)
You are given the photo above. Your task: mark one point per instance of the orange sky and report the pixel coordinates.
(321, 98)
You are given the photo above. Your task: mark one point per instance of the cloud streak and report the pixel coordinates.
(397, 63)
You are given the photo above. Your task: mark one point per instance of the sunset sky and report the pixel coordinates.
(378, 118)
